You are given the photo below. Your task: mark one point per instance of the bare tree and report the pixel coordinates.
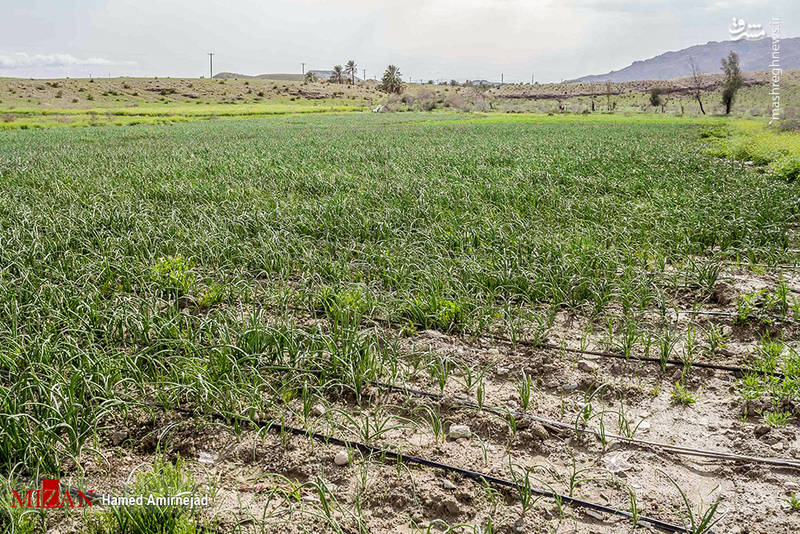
(609, 92)
(697, 83)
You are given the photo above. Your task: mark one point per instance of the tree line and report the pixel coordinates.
(731, 83)
(391, 81)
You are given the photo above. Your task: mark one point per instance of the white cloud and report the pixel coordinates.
(20, 60)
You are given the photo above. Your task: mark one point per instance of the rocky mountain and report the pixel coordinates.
(753, 55)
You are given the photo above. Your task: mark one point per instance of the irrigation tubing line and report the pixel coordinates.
(418, 460)
(732, 314)
(689, 451)
(712, 313)
(728, 368)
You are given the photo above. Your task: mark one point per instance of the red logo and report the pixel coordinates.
(50, 496)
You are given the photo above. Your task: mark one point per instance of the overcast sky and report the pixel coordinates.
(439, 39)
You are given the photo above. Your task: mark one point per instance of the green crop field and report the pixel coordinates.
(271, 270)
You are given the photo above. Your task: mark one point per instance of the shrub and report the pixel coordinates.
(348, 305)
(787, 167)
(437, 313)
(789, 125)
(173, 275)
(655, 96)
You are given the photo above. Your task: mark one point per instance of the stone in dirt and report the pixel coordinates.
(433, 333)
(341, 458)
(459, 431)
(446, 484)
(761, 430)
(318, 409)
(593, 513)
(534, 428)
(617, 463)
(587, 366)
(451, 505)
(205, 458)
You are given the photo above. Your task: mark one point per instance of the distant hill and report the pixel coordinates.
(320, 74)
(275, 76)
(753, 55)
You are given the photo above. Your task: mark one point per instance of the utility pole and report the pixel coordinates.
(211, 64)
(304, 67)
(365, 74)
(501, 78)
(531, 78)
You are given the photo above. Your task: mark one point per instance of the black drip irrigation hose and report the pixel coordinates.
(688, 451)
(418, 460)
(774, 266)
(729, 368)
(715, 313)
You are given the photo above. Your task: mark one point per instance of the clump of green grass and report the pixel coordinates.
(763, 304)
(164, 480)
(16, 520)
(173, 275)
(346, 305)
(682, 395)
(773, 357)
(211, 295)
(754, 142)
(778, 418)
(436, 313)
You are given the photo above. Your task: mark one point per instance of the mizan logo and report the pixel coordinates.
(50, 496)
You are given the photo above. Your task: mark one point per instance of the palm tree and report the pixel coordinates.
(391, 81)
(337, 76)
(310, 77)
(350, 70)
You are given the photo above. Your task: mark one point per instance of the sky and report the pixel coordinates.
(551, 40)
